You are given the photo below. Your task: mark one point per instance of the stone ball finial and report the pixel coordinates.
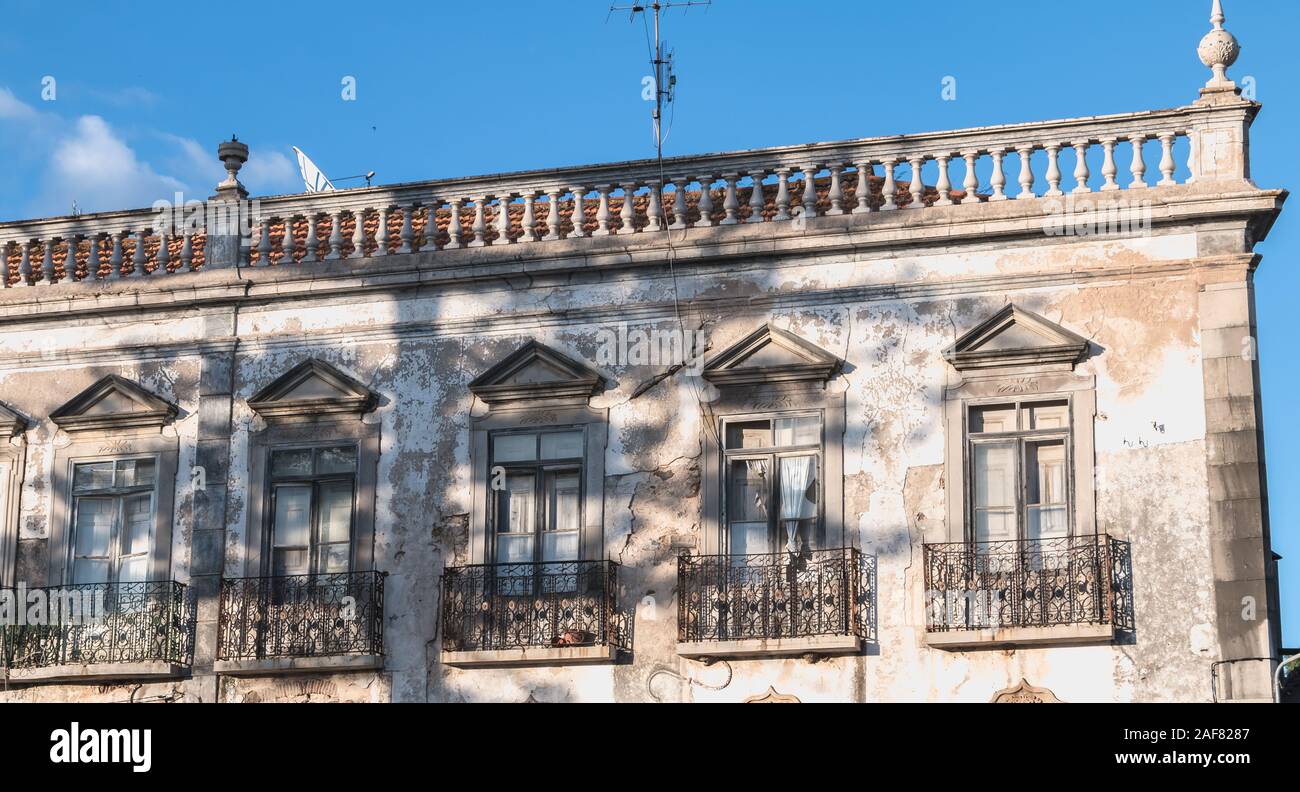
(1219, 49)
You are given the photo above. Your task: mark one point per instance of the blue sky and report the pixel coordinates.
(144, 91)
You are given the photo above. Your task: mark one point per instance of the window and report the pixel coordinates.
(312, 508)
(113, 506)
(1019, 467)
(772, 494)
(537, 481)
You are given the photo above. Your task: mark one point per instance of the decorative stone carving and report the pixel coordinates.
(772, 697)
(769, 355)
(312, 389)
(113, 403)
(1025, 693)
(1014, 337)
(1218, 50)
(537, 372)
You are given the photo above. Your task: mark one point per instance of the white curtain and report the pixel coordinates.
(796, 473)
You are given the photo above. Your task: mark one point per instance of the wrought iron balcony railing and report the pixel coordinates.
(555, 604)
(776, 595)
(302, 616)
(1043, 583)
(97, 623)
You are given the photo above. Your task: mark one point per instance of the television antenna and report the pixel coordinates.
(661, 59)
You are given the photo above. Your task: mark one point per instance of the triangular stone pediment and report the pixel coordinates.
(535, 371)
(113, 403)
(312, 389)
(11, 423)
(770, 354)
(1014, 337)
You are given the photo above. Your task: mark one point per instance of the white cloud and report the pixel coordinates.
(270, 172)
(13, 110)
(97, 169)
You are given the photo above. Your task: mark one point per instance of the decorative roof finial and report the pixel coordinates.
(233, 155)
(1219, 50)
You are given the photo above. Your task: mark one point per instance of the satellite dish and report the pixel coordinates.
(312, 176)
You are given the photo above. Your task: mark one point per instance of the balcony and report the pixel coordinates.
(97, 632)
(1052, 591)
(815, 603)
(327, 622)
(551, 613)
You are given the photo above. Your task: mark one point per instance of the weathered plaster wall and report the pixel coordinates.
(889, 317)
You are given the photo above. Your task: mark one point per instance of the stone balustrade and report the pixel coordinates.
(1020, 162)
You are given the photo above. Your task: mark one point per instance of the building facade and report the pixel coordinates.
(781, 424)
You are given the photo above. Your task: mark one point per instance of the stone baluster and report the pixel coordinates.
(1139, 166)
(552, 214)
(730, 202)
(1167, 165)
(503, 224)
(92, 256)
(407, 234)
(264, 242)
(115, 255)
(944, 184)
(1026, 173)
(782, 194)
(706, 201)
(971, 183)
(1108, 168)
(998, 179)
(358, 233)
(455, 231)
(187, 249)
(47, 261)
(528, 220)
(602, 211)
(162, 259)
(679, 202)
(917, 186)
(381, 231)
(1053, 171)
(1081, 172)
(310, 251)
(479, 227)
(835, 193)
(654, 211)
(286, 241)
(24, 264)
(336, 237)
(757, 200)
(809, 191)
(889, 190)
(138, 256)
(578, 216)
(627, 212)
(862, 192)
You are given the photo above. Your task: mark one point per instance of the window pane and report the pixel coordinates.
(94, 526)
(514, 448)
(562, 445)
(994, 418)
(752, 434)
(516, 508)
(134, 570)
(995, 492)
(295, 462)
(335, 558)
(336, 512)
(801, 430)
(292, 515)
(139, 521)
(748, 491)
(86, 570)
(1049, 415)
(514, 549)
(336, 460)
(135, 473)
(93, 475)
(564, 501)
(749, 538)
(1046, 490)
(560, 546)
(291, 561)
